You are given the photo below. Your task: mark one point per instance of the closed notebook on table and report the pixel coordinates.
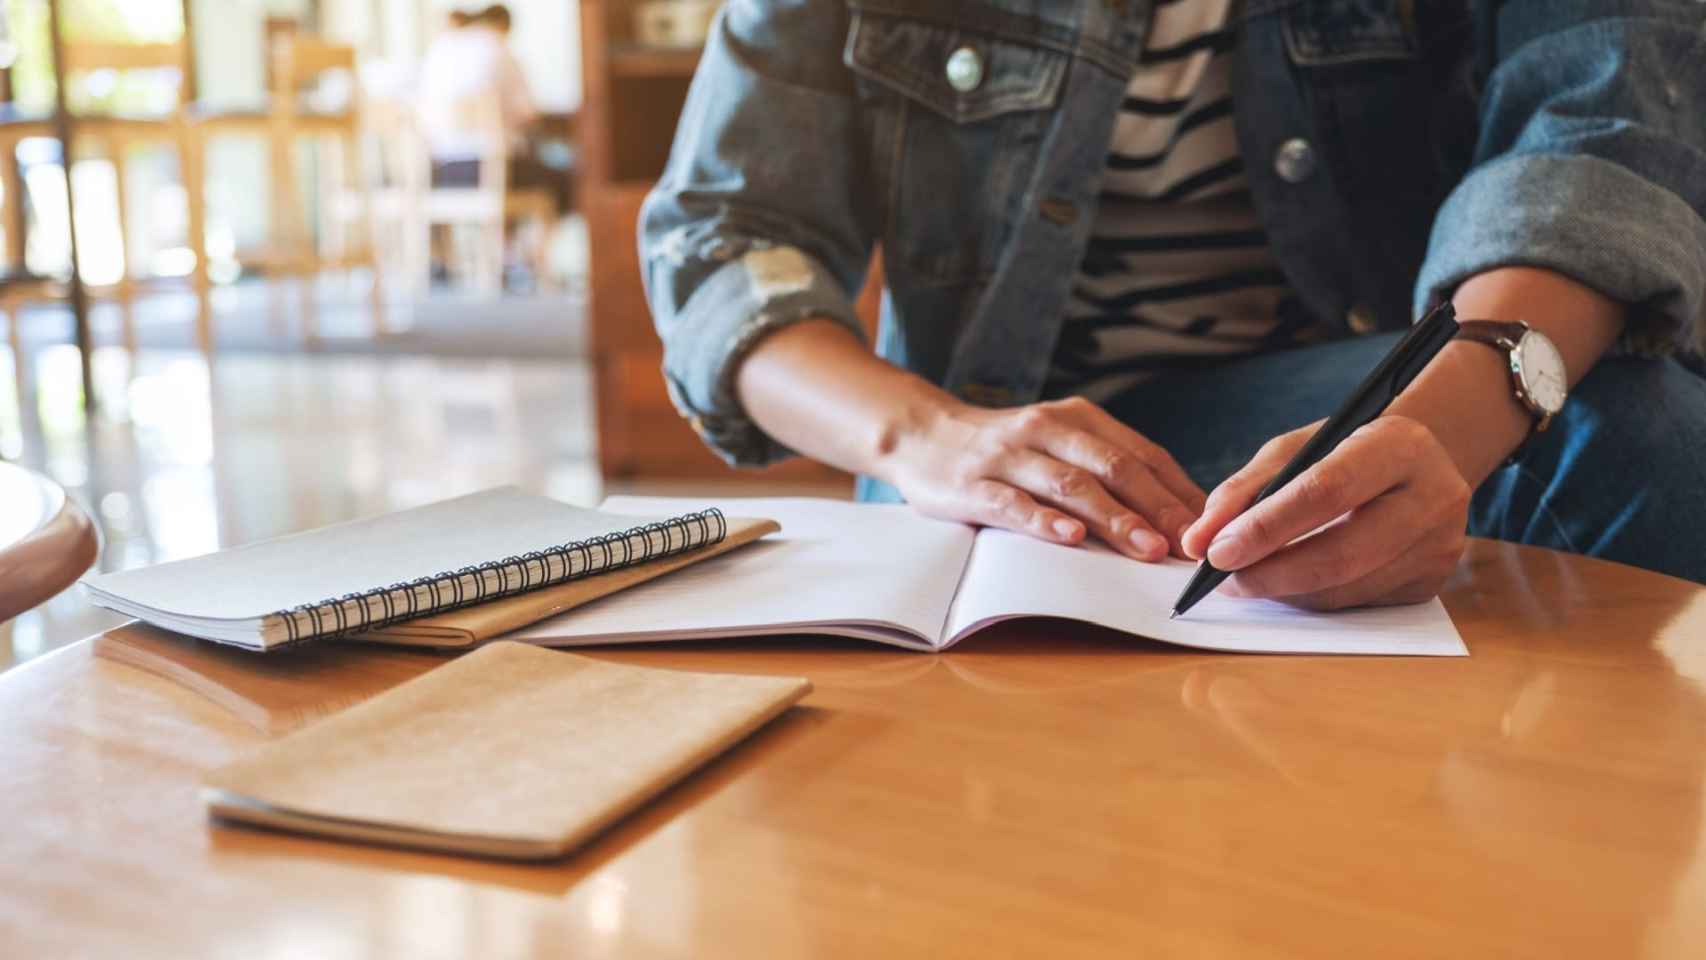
(471, 567)
(509, 751)
(468, 626)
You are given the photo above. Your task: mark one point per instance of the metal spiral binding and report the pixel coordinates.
(354, 612)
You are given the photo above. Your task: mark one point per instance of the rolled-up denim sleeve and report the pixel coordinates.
(758, 221)
(1591, 162)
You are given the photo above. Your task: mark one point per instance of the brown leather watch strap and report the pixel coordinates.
(1505, 335)
(1491, 331)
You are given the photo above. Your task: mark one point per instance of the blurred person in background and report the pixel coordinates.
(473, 96)
(472, 89)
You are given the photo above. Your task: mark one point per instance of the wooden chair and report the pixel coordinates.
(345, 239)
(17, 285)
(16, 126)
(482, 213)
(116, 133)
(400, 177)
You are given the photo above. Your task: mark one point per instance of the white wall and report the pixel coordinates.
(228, 46)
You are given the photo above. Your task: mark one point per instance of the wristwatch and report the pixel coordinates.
(1537, 369)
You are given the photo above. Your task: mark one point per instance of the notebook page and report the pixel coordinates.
(1016, 576)
(261, 578)
(875, 572)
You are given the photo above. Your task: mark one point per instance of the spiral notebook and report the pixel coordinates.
(368, 574)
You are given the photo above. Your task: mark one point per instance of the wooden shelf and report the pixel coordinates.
(633, 97)
(636, 60)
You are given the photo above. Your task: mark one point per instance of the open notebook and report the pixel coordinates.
(887, 574)
(468, 553)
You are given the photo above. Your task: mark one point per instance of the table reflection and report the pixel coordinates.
(1550, 749)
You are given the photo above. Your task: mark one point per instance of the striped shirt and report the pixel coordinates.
(1178, 269)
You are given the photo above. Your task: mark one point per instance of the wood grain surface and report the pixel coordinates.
(46, 540)
(1046, 791)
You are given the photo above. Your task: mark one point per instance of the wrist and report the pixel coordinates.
(919, 412)
(1465, 398)
(1467, 395)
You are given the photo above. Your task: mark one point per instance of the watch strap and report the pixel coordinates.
(1505, 335)
(1496, 332)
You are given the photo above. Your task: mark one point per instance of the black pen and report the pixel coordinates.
(1377, 391)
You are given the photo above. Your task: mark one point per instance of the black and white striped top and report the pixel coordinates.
(1178, 269)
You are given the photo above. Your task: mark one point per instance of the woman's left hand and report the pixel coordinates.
(1393, 504)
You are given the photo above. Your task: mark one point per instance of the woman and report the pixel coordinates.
(1134, 249)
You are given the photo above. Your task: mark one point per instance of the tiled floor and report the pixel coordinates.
(185, 457)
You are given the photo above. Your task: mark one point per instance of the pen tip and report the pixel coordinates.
(1173, 616)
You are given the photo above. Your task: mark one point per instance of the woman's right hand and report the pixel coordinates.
(1060, 471)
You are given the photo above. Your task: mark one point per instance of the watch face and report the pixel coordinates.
(1541, 370)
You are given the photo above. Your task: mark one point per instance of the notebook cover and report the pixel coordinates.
(509, 751)
(472, 625)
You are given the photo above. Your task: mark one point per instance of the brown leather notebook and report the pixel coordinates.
(510, 751)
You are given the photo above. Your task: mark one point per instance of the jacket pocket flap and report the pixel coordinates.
(1332, 32)
(912, 58)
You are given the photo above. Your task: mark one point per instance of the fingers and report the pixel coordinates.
(1099, 422)
(1366, 465)
(1416, 575)
(1059, 470)
(1401, 509)
(1379, 535)
(995, 504)
(1078, 492)
(1130, 486)
(1237, 492)
(1125, 473)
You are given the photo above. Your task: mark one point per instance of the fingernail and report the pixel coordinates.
(1226, 553)
(1185, 528)
(1067, 529)
(1147, 541)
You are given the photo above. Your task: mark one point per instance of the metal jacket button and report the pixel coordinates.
(965, 69)
(1295, 160)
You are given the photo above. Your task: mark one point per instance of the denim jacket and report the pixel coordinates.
(1393, 148)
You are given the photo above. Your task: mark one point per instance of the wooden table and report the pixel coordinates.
(1044, 792)
(46, 540)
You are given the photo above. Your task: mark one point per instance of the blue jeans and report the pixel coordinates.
(1620, 473)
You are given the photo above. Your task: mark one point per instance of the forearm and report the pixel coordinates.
(816, 389)
(1059, 470)
(1465, 395)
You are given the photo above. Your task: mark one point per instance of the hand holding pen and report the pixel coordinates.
(1394, 506)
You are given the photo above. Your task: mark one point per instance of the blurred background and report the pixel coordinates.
(334, 258)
